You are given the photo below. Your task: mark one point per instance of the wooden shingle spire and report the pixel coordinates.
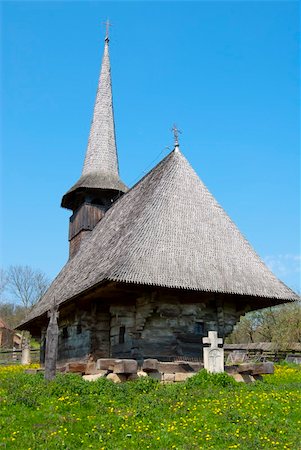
(101, 153)
(100, 170)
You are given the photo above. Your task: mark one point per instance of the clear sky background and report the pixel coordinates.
(226, 72)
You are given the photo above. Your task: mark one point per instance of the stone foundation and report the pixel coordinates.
(121, 370)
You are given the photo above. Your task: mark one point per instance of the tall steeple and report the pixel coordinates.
(101, 153)
(99, 184)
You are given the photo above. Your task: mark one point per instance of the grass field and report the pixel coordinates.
(206, 412)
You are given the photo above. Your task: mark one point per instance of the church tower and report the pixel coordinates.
(99, 184)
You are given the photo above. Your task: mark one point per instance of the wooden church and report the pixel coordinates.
(152, 268)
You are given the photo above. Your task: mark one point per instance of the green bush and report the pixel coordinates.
(205, 379)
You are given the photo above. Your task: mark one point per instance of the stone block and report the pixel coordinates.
(247, 378)
(94, 377)
(231, 369)
(168, 377)
(91, 368)
(179, 376)
(179, 367)
(76, 367)
(171, 367)
(155, 375)
(133, 376)
(150, 365)
(105, 364)
(257, 377)
(256, 368)
(237, 377)
(243, 377)
(296, 359)
(141, 374)
(118, 366)
(195, 366)
(125, 366)
(116, 377)
(185, 366)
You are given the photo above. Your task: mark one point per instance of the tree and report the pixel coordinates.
(3, 283)
(279, 324)
(12, 314)
(245, 330)
(26, 284)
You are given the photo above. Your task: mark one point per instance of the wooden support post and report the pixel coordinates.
(220, 315)
(52, 336)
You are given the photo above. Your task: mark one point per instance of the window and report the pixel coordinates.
(97, 201)
(65, 333)
(121, 335)
(199, 328)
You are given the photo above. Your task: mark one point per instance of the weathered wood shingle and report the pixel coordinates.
(168, 230)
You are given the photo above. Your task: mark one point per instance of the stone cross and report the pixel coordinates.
(52, 335)
(25, 356)
(213, 355)
(212, 339)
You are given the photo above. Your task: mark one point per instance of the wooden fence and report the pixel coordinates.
(8, 357)
(265, 351)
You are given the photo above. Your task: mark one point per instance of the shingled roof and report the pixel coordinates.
(168, 231)
(100, 169)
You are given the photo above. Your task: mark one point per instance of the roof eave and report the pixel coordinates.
(70, 199)
(267, 301)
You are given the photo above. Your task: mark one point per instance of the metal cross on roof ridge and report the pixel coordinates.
(176, 132)
(108, 25)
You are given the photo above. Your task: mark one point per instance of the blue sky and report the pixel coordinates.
(226, 72)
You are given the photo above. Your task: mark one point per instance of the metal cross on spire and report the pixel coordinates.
(176, 132)
(108, 25)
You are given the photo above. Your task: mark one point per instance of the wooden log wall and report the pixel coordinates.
(100, 333)
(145, 325)
(165, 327)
